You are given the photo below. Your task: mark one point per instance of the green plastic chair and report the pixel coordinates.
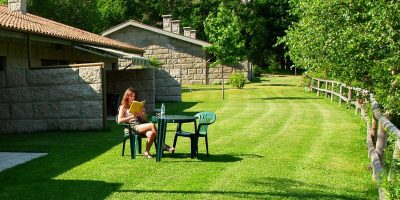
(134, 137)
(204, 120)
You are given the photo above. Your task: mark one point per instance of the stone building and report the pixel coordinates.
(56, 77)
(183, 57)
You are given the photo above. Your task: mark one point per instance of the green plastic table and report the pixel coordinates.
(162, 129)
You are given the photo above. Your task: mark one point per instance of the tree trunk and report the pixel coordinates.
(223, 88)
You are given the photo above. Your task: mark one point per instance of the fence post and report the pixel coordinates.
(318, 86)
(381, 142)
(357, 103)
(326, 89)
(340, 97)
(349, 94)
(373, 126)
(332, 90)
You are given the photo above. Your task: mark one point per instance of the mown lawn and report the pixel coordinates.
(271, 140)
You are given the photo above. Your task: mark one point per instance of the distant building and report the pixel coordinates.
(183, 57)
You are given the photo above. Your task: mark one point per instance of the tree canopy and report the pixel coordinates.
(262, 21)
(356, 42)
(224, 32)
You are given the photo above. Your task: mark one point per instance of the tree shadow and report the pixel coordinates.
(280, 188)
(278, 84)
(178, 108)
(286, 98)
(204, 158)
(204, 89)
(299, 189)
(66, 150)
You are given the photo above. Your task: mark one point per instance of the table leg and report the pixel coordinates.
(132, 139)
(162, 128)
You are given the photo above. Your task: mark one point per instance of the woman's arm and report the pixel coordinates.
(121, 115)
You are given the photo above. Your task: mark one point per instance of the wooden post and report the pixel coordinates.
(332, 90)
(326, 89)
(349, 94)
(340, 97)
(311, 85)
(373, 127)
(358, 105)
(381, 142)
(318, 86)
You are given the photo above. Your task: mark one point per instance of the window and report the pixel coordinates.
(3, 63)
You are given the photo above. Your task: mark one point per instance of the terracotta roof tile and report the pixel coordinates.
(34, 24)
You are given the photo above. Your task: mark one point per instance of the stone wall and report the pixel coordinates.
(184, 62)
(52, 99)
(141, 80)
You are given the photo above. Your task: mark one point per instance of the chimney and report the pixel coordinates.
(193, 34)
(175, 24)
(17, 6)
(167, 22)
(186, 31)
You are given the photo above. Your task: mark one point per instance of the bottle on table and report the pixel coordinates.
(162, 110)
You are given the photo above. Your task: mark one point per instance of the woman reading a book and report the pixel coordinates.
(138, 121)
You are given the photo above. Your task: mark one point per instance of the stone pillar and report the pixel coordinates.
(193, 34)
(186, 31)
(17, 6)
(167, 22)
(175, 24)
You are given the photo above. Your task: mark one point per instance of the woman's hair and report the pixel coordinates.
(125, 98)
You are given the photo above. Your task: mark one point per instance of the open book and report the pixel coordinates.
(136, 106)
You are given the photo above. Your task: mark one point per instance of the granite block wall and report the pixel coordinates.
(52, 99)
(141, 80)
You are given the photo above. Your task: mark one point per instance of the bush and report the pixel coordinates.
(237, 80)
(257, 71)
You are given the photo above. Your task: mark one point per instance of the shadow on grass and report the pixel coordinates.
(203, 157)
(60, 189)
(273, 187)
(205, 89)
(277, 84)
(299, 189)
(212, 157)
(37, 179)
(178, 108)
(286, 98)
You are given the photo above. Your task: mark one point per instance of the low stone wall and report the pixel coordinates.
(141, 80)
(53, 99)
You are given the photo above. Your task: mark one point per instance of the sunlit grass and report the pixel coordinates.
(271, 140)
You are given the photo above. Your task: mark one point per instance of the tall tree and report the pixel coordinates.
(77, 13)
(356, 42)
(227, 43)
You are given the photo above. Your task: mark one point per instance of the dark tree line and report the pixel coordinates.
(263, 20)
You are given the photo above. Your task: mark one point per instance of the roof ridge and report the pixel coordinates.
(40, 25)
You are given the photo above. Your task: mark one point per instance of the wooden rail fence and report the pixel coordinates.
(378, 127)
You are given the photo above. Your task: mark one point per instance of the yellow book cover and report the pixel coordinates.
(136, 106)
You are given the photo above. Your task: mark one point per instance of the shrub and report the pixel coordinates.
(237, 80)
(257, 71)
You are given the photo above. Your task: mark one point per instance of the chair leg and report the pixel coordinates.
(193, 149)
(139, 140)
(123, 147)
(207, 145)
(174, 145)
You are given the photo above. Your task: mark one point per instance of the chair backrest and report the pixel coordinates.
(205, 119)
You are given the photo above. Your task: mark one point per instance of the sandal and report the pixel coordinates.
(168, 148)
(147, 155)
